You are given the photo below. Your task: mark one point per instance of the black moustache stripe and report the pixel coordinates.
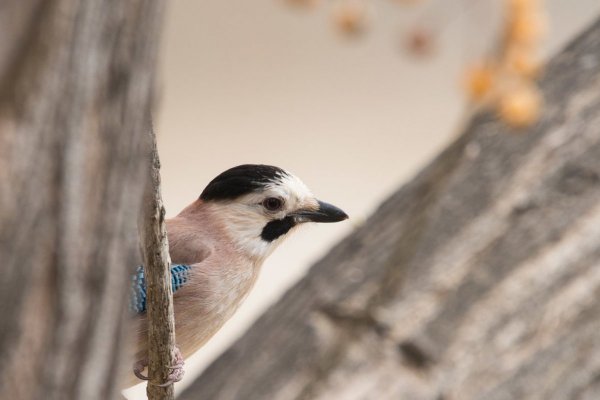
(276, 228)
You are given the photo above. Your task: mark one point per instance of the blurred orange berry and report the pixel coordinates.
(350, 17)
(526, 28)
(524, 63)
(479, 81)
(420, 42)
(521, 106)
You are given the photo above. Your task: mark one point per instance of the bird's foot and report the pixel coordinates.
(138, 368)
(176, 369)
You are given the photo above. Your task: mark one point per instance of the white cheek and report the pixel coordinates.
(244, 225)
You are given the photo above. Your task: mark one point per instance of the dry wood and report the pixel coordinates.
(76, 84)
(159, 306)
(479, 279)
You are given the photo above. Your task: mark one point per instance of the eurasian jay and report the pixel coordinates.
(218, 245)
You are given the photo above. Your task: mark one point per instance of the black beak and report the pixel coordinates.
(325, 213)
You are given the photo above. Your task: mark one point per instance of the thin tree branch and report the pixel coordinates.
(161, 322)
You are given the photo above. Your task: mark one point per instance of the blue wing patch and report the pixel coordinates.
(137, 300)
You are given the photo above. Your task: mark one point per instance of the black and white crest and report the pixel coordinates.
(241, 180)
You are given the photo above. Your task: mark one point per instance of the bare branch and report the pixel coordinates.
(157, 263)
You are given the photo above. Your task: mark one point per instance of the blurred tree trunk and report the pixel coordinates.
(479, 279)
(76, 84)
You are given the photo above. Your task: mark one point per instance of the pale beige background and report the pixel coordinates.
(259, 82)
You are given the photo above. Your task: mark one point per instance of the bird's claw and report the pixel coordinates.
(176, 369)
(139, 366)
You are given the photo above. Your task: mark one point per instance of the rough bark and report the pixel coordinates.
(76, 81)
(479, 279)
(157, 263)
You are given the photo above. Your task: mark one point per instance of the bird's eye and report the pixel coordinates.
(272, 203)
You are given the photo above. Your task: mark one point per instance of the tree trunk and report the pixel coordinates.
(76, 83)
(479, 279)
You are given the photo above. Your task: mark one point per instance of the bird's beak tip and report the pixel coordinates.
(343, 216)
(331, 213)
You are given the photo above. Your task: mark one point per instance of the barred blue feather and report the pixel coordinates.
(137, 300)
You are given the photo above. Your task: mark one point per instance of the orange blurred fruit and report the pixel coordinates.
(524, 63)
(420, 42)
(350, 17)
(521, 106)
(479, 81)
(526, 28)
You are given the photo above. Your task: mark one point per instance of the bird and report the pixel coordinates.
(217, 246)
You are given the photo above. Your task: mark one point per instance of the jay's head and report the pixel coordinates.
(260, 204)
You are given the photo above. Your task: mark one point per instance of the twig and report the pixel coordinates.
(161, 322)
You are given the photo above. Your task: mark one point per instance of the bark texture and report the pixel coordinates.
(479, 279)
(76, 79)
(157, 266)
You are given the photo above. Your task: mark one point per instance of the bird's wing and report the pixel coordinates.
(187, 244)
(137, 299)
(187, 247)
